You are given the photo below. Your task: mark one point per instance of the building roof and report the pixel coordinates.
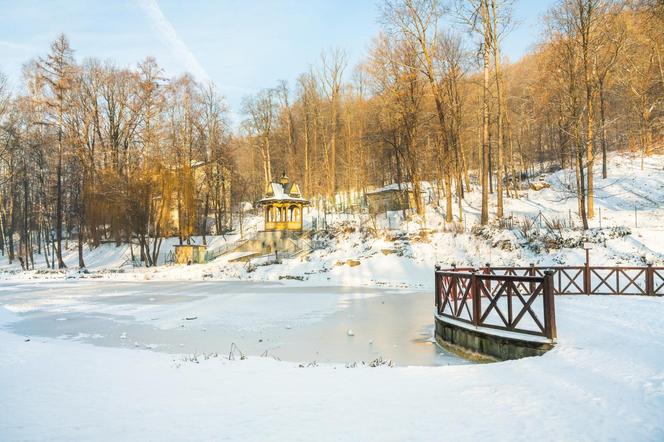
(288, 192)
(394, 187)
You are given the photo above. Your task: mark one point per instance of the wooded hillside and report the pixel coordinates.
(95, 152)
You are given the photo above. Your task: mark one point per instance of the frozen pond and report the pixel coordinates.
(289, 322)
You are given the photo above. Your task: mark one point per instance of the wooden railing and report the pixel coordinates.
(594, 280)
(521, 299)
(516, 303)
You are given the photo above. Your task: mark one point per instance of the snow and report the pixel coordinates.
(280, 193)
(603, 381)
(392, 187)
(109, 256)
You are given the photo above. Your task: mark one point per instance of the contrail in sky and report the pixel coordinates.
(167, 31)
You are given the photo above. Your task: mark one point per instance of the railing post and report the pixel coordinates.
(531, 272)
(436, 295)
(586, 277)
(453, 292)
(487, 271)
(650, 281)
(477, 298)
(549, 306)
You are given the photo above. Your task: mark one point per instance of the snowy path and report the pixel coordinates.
(604, 380)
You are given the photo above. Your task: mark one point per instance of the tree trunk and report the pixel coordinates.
(589, 151)
(515, 180)
(484, 218)
(501, 109)
(602, 105)
(81, 263)
(58, 207)
(581, 190)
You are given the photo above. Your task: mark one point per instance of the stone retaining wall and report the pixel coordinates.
(486, 344)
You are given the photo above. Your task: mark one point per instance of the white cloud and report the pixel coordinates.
(168, 33)
(11, 45)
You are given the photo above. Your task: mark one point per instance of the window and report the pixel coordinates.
(294, 213)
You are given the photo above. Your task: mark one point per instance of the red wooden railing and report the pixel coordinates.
(516, 303)
(521, 299)
(594, 280)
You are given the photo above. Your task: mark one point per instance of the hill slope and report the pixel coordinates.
(541, 227)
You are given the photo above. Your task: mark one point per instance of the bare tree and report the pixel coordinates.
(415, 22)
(333, 65)
(260, 110)
(57, 72)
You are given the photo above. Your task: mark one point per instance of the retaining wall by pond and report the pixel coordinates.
(481, 344)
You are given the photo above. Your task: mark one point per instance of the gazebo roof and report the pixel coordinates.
(283, 192)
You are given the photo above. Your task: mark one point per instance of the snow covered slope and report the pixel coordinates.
(389, 251)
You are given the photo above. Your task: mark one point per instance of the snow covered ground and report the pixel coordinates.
(603, 381)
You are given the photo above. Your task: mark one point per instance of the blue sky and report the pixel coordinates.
(242, 46)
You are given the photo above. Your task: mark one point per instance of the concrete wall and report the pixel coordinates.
(190, 254)
(390, 201)
(270, 241)
(480, 344)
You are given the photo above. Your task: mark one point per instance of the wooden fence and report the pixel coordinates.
(594, 280)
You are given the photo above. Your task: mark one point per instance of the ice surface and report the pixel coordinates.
(301, 324)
